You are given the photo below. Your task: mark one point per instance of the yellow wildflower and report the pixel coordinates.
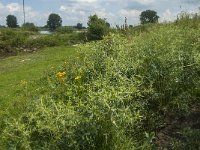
(23, 82)
(77, 77)
(61, 74)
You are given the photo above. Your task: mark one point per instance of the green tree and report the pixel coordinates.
(11, 21)
(54, 21)
(30, 26)
(79, 26)
(148, 16)
(97, 28)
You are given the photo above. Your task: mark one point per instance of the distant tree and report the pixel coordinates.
(130, 26)
(11, 21)
(30, 26)
(54, 21)
(97, 28)
(79, 26)
(1, 26)
(45, 26)
(148, 16)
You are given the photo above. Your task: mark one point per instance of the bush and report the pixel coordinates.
(30, 27)
(65, 29)
(12, 39)
(97, 28)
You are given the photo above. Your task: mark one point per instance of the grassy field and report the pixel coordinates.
(28, 67)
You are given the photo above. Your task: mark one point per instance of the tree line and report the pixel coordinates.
(54, 20)
(97, 27)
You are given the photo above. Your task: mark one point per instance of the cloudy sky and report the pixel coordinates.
(74, 11)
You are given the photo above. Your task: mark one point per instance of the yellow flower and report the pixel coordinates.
(77, 77)
(61, 74)
(23, 82)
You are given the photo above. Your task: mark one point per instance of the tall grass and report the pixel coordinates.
(114, 95)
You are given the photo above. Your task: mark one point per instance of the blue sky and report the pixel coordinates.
(74, 11)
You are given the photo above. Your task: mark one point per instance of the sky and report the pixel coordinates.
(77, 11)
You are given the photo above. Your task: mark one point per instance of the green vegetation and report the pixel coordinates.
(117, 94)
(30, 27)
(11, 21)
(137, 88)
(29, 67)
(97, 28)
(17, 71)
(149, 16)
(16, 41)
(54, 21)
(65, 29)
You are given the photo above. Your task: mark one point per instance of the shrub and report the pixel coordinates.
(97, 28)
(105, 114)
(12, 39)
(30, 27)
(65, 29)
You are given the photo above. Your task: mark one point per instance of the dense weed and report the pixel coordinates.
(115, 95)
(16, 40)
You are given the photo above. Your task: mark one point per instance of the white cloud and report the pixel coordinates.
(86, 1)
(72, 14)
(168, 16)
(144, 2)
(102, 13)
(129, 13)
(13, 7)
(1, 6)
(17, 10)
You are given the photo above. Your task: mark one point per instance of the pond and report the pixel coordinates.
(46, 32)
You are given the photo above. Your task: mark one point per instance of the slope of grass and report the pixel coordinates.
(19, 69)
(117, 97)
(28, 67)
(121, 96)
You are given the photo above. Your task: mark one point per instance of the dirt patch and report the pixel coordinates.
(174, 125)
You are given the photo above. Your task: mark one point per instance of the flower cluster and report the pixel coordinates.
(61, 74)
(77, 77)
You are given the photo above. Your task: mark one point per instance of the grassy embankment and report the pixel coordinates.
(139, 92)
(19, 69)
(28, 67)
